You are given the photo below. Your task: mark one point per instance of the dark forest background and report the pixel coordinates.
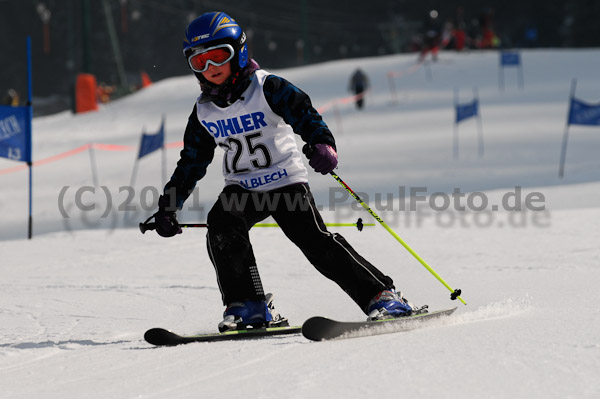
(117, 39)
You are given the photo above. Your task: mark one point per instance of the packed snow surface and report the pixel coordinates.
(76, 299)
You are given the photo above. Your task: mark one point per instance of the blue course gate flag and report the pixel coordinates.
(466, 110)
(581, 113)
(15, 134)
(152, 142)
(510, 59)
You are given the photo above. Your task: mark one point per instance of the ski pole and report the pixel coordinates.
(455, 293)
(147, 225)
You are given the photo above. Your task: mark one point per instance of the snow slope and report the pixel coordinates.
(75, 301)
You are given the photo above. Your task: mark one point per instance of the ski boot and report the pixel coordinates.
(251, 314)
(391, 304)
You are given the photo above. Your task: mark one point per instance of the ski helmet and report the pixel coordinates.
(212, 29)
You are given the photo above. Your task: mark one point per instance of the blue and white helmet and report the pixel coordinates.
(216, 28)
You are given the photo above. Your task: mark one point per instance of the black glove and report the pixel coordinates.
(322, 157)
(166, 222)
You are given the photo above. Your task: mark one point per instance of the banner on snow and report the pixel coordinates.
(466, 111)
(510, 58)
(582, 113)
(15, 133)
(152, 142)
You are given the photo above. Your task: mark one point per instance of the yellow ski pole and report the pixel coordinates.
(455, 293)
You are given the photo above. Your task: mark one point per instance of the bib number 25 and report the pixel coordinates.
(249, 148)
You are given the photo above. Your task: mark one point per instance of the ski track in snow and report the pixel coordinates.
(505, 308)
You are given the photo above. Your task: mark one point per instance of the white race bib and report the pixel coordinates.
(260, 148)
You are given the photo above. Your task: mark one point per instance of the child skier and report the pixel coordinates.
(253, 115)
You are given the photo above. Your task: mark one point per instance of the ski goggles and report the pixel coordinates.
(216, 55)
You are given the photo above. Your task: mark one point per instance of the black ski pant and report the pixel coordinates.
(293, 208)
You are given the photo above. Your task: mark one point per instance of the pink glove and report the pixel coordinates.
(322, 157)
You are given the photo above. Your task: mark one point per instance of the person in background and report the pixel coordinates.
(359, 84)
(11, 98)
(488, 38)
(431, 36)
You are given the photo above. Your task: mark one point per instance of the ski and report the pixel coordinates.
(162, 337)
(321, 328)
